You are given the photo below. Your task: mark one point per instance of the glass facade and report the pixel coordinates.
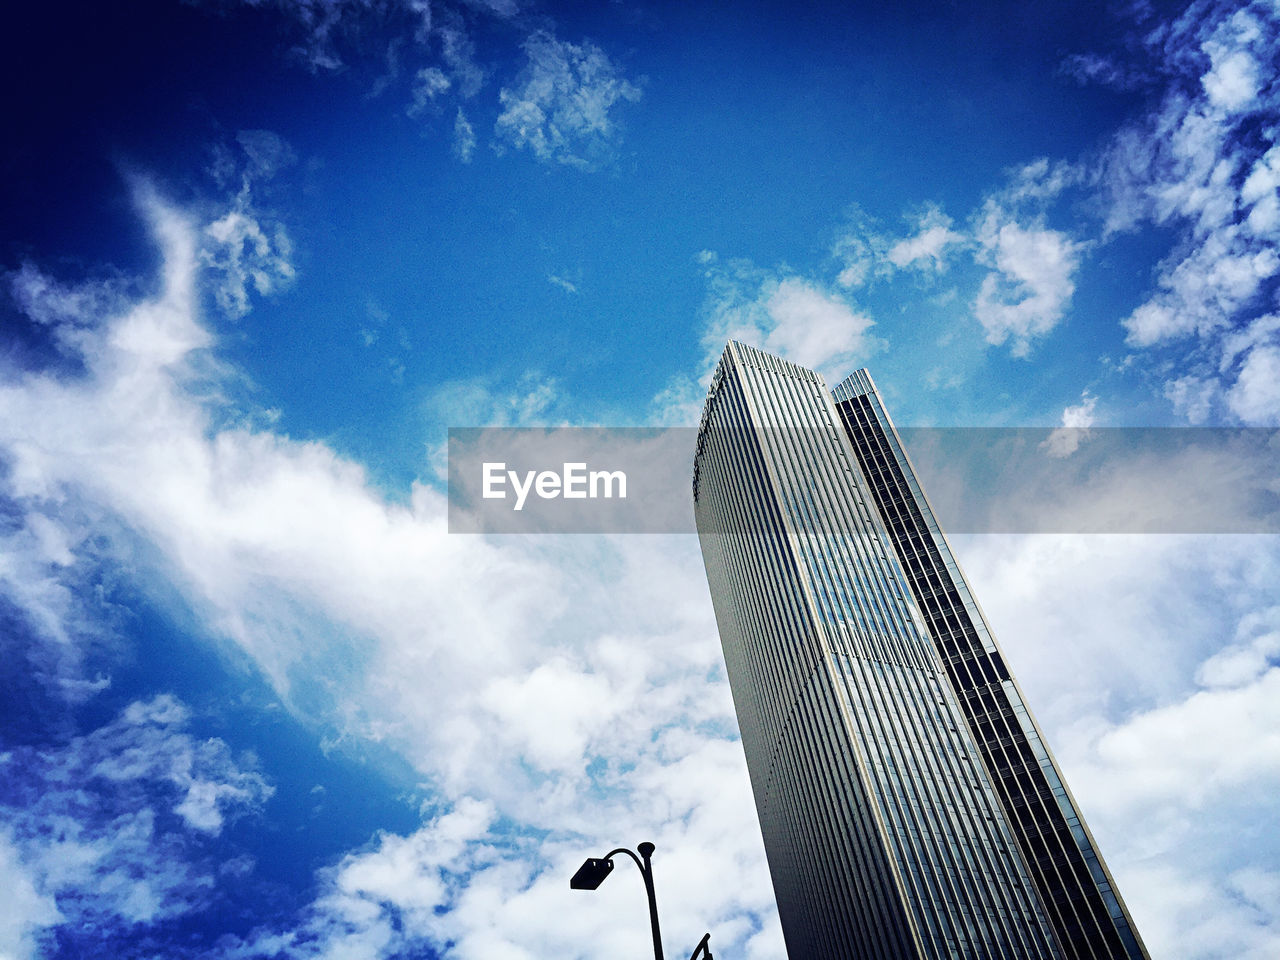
(1080, 899)
(883, 829)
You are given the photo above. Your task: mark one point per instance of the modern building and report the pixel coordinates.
(905, 795)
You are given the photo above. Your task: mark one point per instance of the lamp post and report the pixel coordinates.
(593, 871)
(703, 947)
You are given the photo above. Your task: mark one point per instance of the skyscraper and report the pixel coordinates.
(1079, 896)
(884, 832)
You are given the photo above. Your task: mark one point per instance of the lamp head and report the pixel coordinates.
(591, 874)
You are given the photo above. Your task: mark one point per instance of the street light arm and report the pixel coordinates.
(612, 853)
(703, 948)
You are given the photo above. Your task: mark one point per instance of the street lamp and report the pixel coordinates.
(593, 871)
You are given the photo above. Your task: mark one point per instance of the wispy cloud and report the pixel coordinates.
(929, 247)
(248, 249)
(323, 28)
(568, 286)
(249, 255)
(429, 84)
(560, 106)
(1094, 68)
(464, 137)
(1204, 164)
(457, 51)
(109, 829)
(479, 402)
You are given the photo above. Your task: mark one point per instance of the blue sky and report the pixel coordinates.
(258, 257)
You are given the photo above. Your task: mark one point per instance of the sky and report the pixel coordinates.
(258, 257)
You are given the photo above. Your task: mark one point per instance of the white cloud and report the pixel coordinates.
(799, 319)
(861, 250)
(464, 137)
(1139, 639)
(569, 704)
(678, 403)
(568, 286)
(560, 106)
(429, 84)
(1189, 916)
(1175, 754)
(1260, 192)
(63, 308)
(811, 326)
(1076, 422)
(147, 744)
(1256, 646)
(1027, 293)
(1080, 415)
(1029, 268)
(1255, 395)
(928, 248)
(24, 910)
(1147, 660)
(1232, 84)
(1202, 290)
(377, 902)
(1250, 354)
(867, 251)
(249, 255)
